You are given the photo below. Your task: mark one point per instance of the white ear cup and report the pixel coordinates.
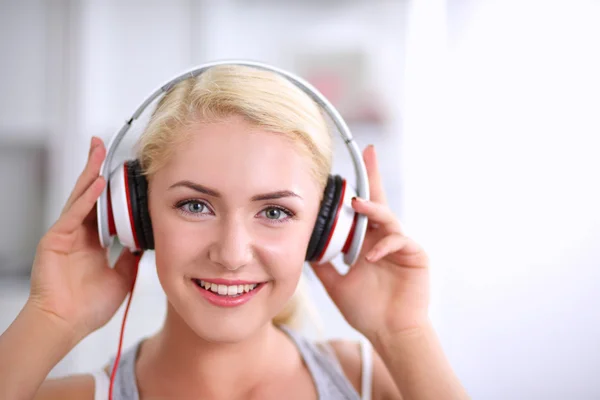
(119, 196)
(342, 225)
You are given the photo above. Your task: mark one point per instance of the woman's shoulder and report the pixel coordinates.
(70, 387)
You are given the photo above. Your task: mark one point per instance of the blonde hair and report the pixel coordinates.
(266, 100)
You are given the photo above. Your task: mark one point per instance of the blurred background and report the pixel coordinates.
(485, 116)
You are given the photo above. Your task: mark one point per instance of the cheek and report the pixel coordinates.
(175, 246)
(284, 251)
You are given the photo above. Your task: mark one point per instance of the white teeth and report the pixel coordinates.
(231, 290)
(225, 290)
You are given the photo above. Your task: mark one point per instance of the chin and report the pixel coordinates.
(217, 324)
(226, 330)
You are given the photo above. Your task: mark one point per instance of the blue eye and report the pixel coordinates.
(273, 213)
(276, 214)
(193, 207)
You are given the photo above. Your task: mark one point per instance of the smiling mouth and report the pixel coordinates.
(226, 290)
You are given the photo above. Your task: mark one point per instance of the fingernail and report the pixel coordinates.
(358, 199)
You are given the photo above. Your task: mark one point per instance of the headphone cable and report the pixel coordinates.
(138, 257)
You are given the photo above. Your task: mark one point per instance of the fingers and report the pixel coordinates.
(408, 251)
(73, 217)
(385, 246)
(329, 277)
(90, 173)
(379, 215)
(377, 194)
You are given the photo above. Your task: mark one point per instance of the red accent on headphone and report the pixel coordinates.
(350, 235)
(129, 208)
(337, 214)
(111, 218)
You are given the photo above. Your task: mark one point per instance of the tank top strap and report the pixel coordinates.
(324, 368)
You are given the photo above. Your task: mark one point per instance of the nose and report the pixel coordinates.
(232, 249)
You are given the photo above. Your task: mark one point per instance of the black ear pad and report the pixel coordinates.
(325, 218)
(138, 192)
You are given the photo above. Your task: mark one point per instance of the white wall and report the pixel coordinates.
(501, 184)
(23, 80)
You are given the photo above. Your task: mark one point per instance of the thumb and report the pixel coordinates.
(329, 276)
(127, 268)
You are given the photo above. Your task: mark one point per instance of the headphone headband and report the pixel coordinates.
(362, 182)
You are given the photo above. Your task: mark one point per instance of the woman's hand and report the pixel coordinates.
(387, 290)
(71, 280)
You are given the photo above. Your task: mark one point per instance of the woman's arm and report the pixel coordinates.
(407, 366)
(32, 345)
(385, 296)
(417, 364)
(74, 290)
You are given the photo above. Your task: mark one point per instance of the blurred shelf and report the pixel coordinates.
(14, 285)
(314, 2)
(35, 137)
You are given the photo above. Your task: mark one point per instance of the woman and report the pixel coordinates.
(236, 160)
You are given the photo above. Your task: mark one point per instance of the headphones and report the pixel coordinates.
(122, 207)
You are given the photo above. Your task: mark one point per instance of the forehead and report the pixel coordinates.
(232, 155)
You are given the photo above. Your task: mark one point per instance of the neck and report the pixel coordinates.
(177, 360)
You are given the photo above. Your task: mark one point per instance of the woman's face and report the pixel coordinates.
(234, 208)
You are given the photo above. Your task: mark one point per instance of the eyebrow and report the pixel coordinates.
(275, 195)
(211, 192)
(196, 187)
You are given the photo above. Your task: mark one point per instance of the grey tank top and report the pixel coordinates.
(326, 372)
